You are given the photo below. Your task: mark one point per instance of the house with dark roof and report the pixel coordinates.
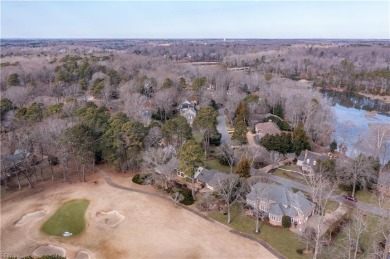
(264, 128)
(209, 178)
(383, 185)
(307, 160)
(278, 201)
(187, 110)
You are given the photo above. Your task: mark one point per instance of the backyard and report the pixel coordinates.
(284, 241)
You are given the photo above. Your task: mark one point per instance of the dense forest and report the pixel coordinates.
(119, 93)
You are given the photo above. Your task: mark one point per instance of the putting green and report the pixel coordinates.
(68, 218)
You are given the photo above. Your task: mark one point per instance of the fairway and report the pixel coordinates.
(68, 218)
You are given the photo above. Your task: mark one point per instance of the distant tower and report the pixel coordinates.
(224, 39)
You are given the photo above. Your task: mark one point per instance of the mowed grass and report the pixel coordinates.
(284, 241)
(69, 217)
(214, 164)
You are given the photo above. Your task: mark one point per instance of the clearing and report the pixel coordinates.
(151, 227)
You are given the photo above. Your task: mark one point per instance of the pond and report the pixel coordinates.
(356, 118)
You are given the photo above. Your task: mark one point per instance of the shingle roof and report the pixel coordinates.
(309, 157)
(290, 203)
(211, 177)
(267, 128)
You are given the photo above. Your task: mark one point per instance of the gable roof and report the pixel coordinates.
(186, 104)
(210, 177)
(267, 128)
(284, 200)
(309, 157)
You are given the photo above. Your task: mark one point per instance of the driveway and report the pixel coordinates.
(222, 128)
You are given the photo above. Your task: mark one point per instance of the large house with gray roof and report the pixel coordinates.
(278, 201)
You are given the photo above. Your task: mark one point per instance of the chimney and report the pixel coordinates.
(305, 154)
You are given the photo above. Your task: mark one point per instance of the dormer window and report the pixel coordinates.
(315, 162)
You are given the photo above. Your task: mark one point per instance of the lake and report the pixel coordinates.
(355, 117)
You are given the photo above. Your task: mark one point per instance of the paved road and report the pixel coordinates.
(222, 128)
(363, 206)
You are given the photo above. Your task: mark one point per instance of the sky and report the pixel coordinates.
(201, 19)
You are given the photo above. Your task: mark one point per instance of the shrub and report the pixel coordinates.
(188, 200)
(286, 222)
(142, 179)
(53, 160)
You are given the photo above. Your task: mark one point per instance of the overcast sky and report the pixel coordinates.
(187, 19)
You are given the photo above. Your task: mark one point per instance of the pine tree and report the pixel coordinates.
(243, 168)
(300, 140)
(240, 131)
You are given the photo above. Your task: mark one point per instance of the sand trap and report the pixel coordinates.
(81, 254)
(49, 250)
(112, 218)
(30, 216)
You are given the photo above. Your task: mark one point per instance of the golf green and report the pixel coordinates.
(68, 218)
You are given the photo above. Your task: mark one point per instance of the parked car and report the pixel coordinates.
(350, 198)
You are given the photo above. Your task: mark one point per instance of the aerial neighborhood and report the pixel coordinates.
(192, 147)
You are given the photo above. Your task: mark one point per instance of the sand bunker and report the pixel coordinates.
(81, 254)
(30, 216)
(49, 250)
(111, 218)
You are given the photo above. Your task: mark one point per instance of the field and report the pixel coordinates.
(68, 218)
(151, 227)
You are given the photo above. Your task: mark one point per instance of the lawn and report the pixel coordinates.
(69, 217)
(214, 164)
(282, 240)
(332, 205)
(366, 197)
(288, 175)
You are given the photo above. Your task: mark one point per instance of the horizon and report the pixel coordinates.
(353, 20)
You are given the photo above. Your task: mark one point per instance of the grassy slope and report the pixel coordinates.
(69, 217)
(282, 240)
(214, 164)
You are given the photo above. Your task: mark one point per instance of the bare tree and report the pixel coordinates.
(228, 154)
(358, 171)
(353, 229)
(228, 191)
(274, 158)
(162, 162)
(380, 244)
(308, 237)
(153, 137)
(258, 194)
(321, 190)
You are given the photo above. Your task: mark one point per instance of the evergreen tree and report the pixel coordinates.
(300, 140)
(243, 168)
(190, 157)
(240, 131)
(13, 79)
(333, 146)
(242, 113)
